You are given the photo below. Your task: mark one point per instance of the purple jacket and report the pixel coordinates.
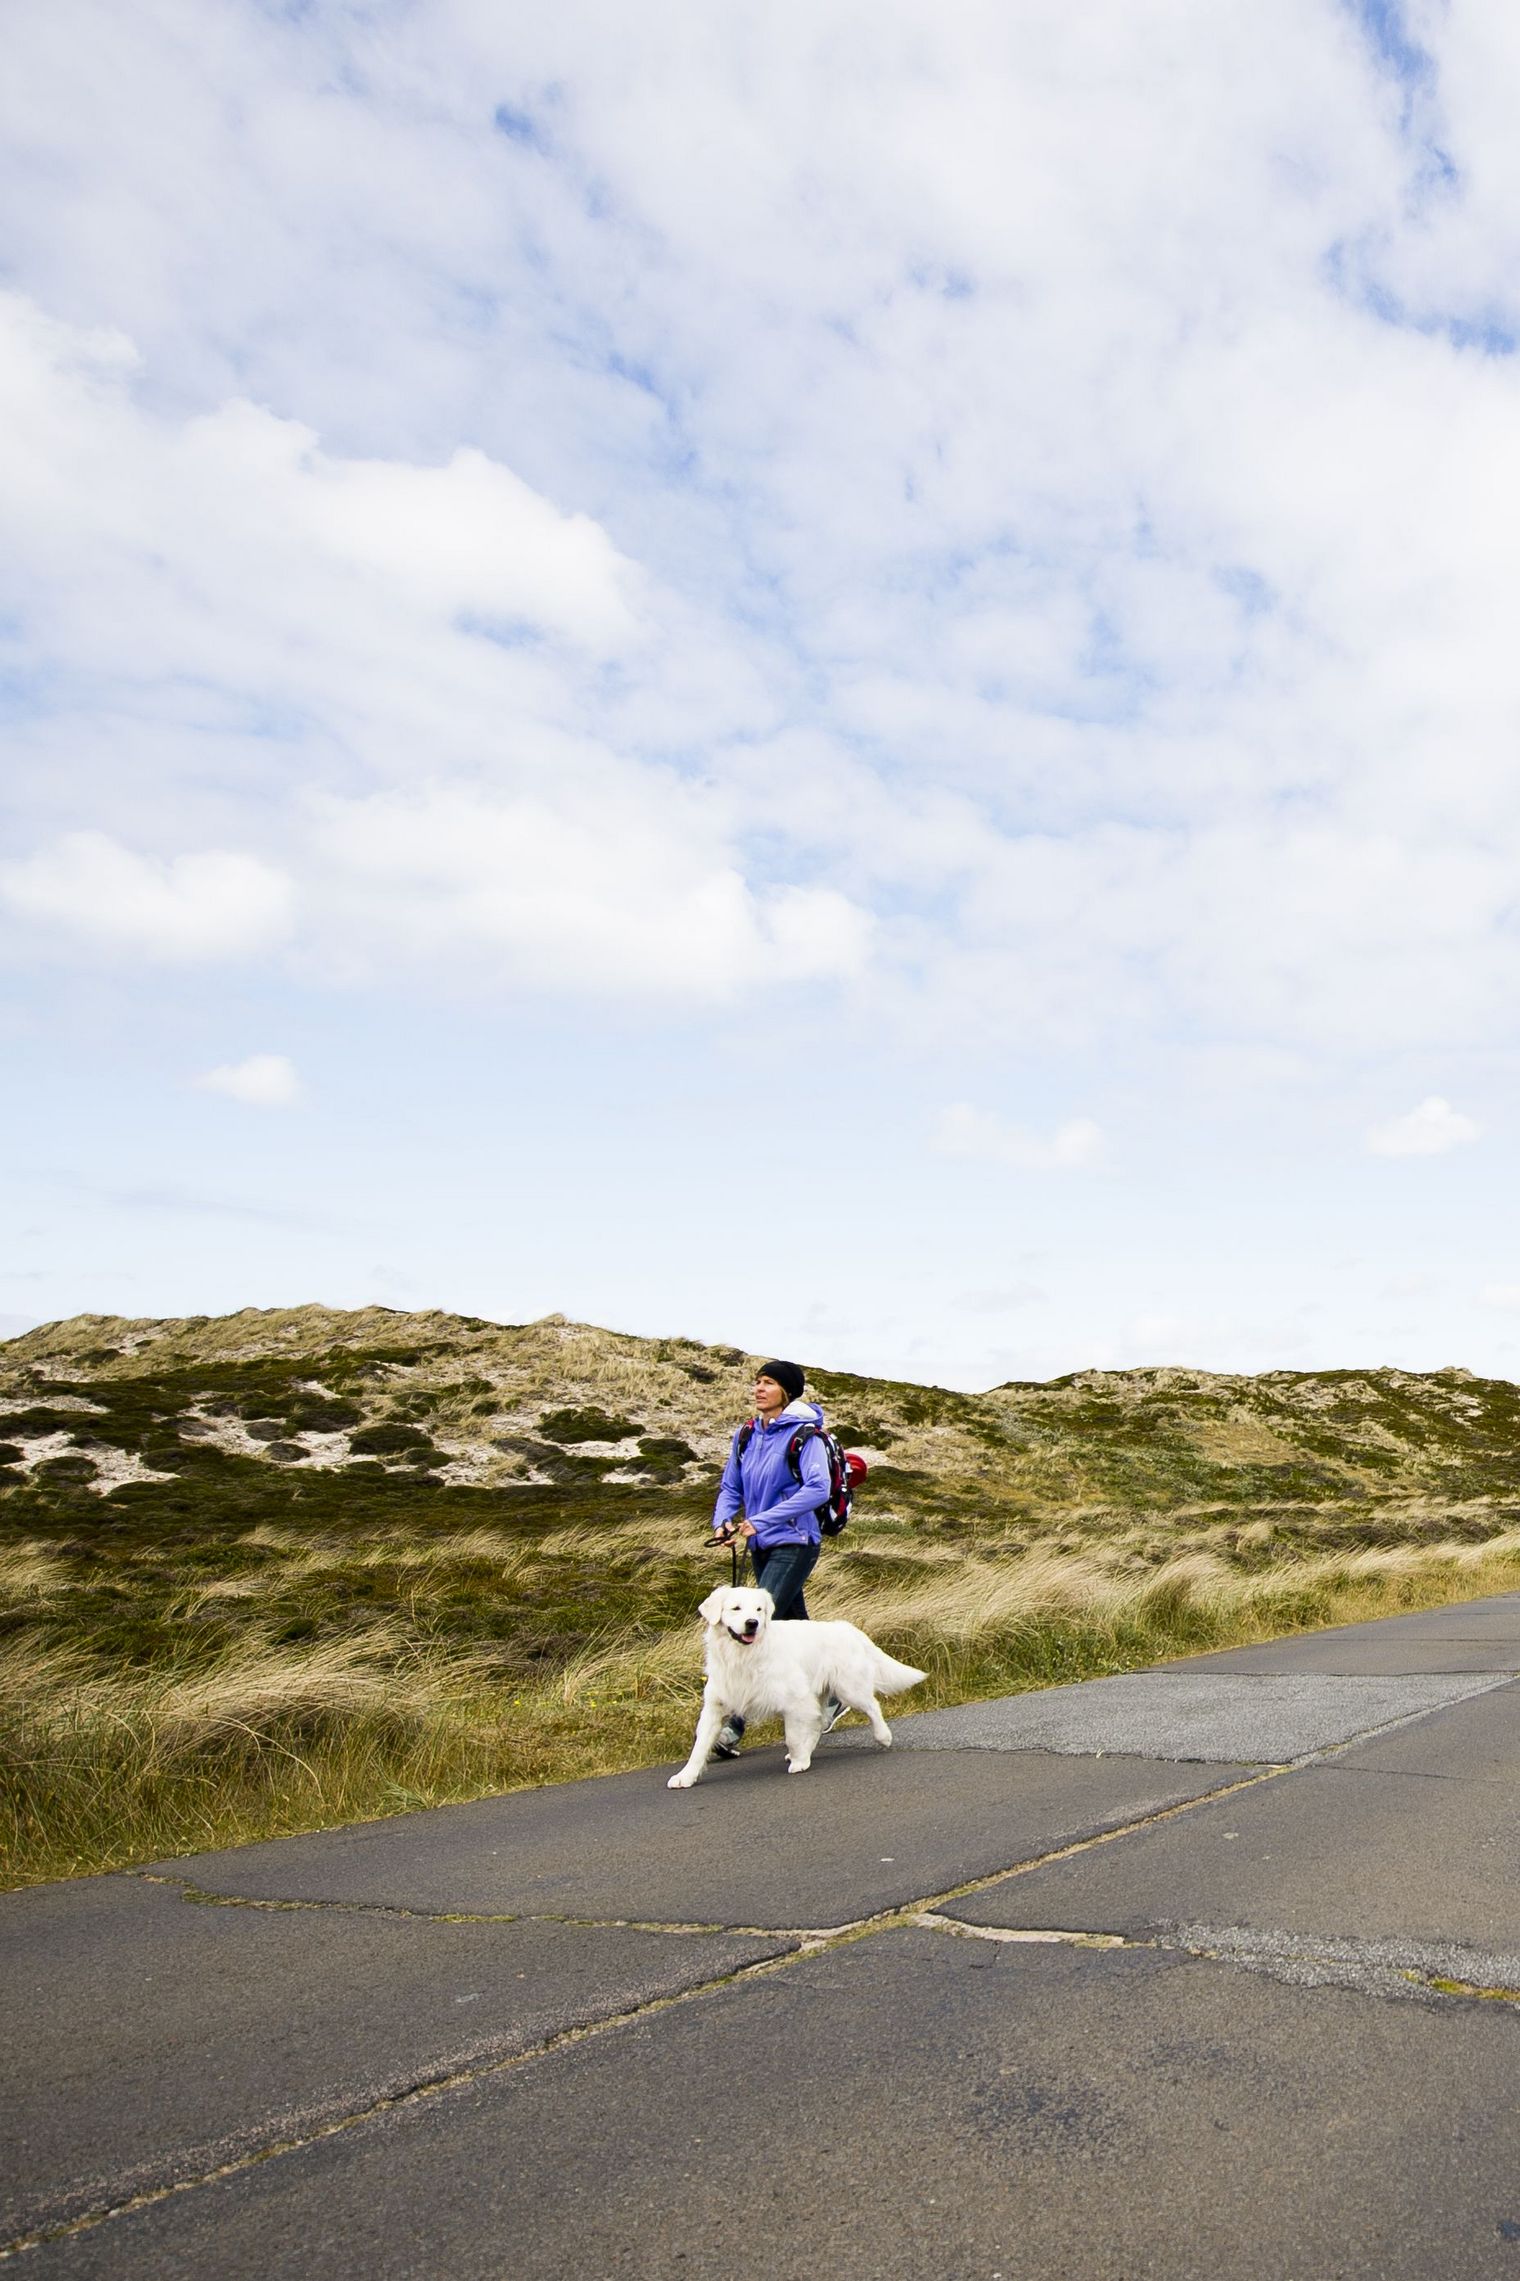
(760, 1482)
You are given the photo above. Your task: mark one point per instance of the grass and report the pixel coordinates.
(301, 1680)
(359, 1563)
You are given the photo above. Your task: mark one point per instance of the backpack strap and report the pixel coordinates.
(794, 1448)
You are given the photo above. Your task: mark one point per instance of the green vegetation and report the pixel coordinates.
(282, 1570)
(588, 1424)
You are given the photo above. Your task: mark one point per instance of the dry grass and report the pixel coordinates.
(983, 1626)
(97, 1772)
(236, 1649)
(31, 1572)
(100, 1769)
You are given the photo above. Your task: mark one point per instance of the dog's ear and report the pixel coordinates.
(712, 1607)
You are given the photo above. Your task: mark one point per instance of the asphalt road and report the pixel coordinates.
(1211, 1970)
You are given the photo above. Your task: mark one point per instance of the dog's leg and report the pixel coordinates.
(708, 1723)
(804, 1724)
(863, 1700)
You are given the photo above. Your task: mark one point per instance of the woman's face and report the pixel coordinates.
(769, 1397)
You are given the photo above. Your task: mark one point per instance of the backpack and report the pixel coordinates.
(845, 1470)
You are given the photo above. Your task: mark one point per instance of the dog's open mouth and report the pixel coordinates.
(743, 1639)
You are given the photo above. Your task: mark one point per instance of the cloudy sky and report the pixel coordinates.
(840, 676)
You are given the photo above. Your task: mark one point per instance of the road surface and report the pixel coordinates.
(1209, 1970)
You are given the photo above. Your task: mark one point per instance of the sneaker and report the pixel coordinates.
(730, 1735)
(833, 1712)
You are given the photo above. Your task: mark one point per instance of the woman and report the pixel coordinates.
(780, 1523)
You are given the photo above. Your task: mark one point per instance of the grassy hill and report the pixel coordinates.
(288, 1567)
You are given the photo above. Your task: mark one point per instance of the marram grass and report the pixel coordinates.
(105, 1766)
(293, 1568)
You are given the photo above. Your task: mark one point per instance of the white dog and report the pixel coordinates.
(757, 1668)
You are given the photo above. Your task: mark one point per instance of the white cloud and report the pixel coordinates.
(465, 538)
(416, 618)
(1155, 1338)
(234, 532)
(210, 905)
(1503, 1295)
(621, 891)
(1157, 1335)
(468, 536)
(1412, 1287)
(1428, 1130)
(263, 1081)
(964, 1131)
(1002, 1302)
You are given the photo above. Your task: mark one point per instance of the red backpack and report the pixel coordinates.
(846, 1470)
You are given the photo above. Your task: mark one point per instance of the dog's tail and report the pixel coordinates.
(892, 1677)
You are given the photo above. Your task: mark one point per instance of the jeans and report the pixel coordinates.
(782, 1570)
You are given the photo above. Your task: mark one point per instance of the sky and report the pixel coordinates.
(836, 677)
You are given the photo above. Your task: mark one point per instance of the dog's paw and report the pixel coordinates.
(798, 1765)
(682, 1781)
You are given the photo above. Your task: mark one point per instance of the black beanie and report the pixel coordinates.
(786, 1374)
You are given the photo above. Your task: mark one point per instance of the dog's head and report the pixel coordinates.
(742, 1614)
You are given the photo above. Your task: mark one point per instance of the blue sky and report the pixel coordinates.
(840, 678)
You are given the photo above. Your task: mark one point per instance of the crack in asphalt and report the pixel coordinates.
(1401, 1969)
(200, 1896)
